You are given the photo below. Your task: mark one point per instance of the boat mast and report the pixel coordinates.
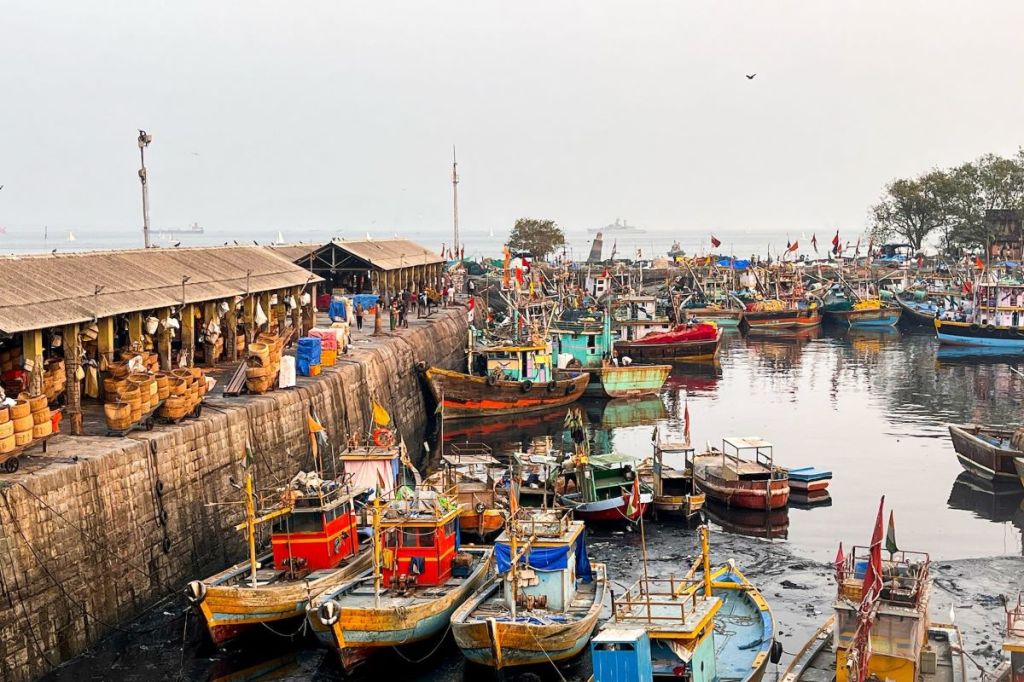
(250, 524)
(455, 203)
(376, 550)
(706, 558)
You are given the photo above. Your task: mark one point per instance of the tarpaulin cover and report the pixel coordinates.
(734, 263)
(307, 353)
(328, 339)
(365, 300)
(547, 558)
(337, 311)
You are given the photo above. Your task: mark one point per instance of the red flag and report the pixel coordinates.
(814, 242)
(633, 506)
(715, 242)
(519, 276)
(462, 253)
(793, 247)
(513, 496)
(605, 273)
(835, 240)
(838, 565)
(870, 592)
(470, 307)
(686, 423)
(978, 263)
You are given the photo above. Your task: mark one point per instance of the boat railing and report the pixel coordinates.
(656, 600)
(904, 576)
(1015, 619)
(423, 503)
(538, 523)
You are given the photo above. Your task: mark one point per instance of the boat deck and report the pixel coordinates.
(493, 606)
(360, 594)
(739, 632)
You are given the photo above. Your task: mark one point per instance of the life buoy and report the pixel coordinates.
(491, 380)
(480, 507)
(552, 386)
(383, 438)
(525, 386)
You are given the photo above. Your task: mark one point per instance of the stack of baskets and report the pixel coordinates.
(6, 430)
(55, 379)
(263, 363)
(10, 359)
(185, 390)
(28, 420)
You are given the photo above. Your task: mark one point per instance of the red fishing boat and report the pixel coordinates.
(683, 342)
(743, 474)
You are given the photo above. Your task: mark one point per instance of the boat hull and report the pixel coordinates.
(914, 317)
(793, 318)
(1018, 462)
(464, 396)
(723, 318)
(630, 381)
(762, 495)
(878, 317)
(230, 610)
(982, 458)
(679, 351)
(612, 509)
(678, 505)
(964, 334)
(524, 643)
(359, 631)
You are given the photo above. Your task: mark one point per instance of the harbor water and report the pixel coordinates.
(871, 406)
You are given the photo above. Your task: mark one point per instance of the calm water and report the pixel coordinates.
(870, 406)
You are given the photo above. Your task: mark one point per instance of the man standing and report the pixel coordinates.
(359, 316)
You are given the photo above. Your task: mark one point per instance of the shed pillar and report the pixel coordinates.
(249, 318)
(32, 350)
(135, 331)
(265, 305)
(230, 331)
(210, 312)
(73, 391)
(163, 340)
(104, 347)
(296, 294)
(188, 335)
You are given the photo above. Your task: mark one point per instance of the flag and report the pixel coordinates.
(788, 244)
(715, 242)
(462, 253)
(615, 247)
(633, 506)
(470, 307)
(513, 495)
(315, 428)
(978, 263)
(794, 247)
(814, 242)
(442, 249)
(380, 415)
(605, 273)
(381, 487)
(838, 565)
(835, 243)
(856, 249)
(870, 593)
(890, 536)
(686, 423)
(519, 277)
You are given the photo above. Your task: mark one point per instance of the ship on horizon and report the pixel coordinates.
(618, 227)
(194, 228)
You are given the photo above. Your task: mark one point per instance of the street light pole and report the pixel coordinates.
(144, 140)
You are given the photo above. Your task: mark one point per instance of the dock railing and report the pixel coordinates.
(540, 523)
(905, 576)
(656, 601)
(1015, 620)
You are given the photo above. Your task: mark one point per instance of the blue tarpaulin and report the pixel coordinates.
(365, 300)
(337, 311)
(548, 558)
(307, 353)
(734, 263)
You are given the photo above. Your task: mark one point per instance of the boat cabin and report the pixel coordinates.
(320, 531)
(638, 316)
(1001, 305)
(514, 363)
(899, 637)
(672, 469)
(551, 554)
(472, 472)
(749, 458)
(584, 336)
(420, 531)
(368, 464)
(1014, 642)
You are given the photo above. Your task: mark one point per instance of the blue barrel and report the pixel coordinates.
(307, 354)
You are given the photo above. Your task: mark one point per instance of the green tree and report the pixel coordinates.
(911, 209)
(990, 182)
(539, 237)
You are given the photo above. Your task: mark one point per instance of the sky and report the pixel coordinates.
(298, 116)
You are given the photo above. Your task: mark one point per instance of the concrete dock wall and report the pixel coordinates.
(98, 529)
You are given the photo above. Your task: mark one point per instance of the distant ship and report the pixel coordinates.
(618, 227)
(191, 229)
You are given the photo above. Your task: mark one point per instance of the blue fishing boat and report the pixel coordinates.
(996, 319)
(544, 599)
(917, 311)
(713, 627)
(583, 342)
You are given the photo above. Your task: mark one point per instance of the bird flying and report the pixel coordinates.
(750, 76)
(177, 244)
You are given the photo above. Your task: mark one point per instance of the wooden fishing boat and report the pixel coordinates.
(789, 317)
(472, 472)
(882, 630)
(514, 379)
(916, 313)
(729, 318)
(1018, 463)
(730, 477)
(543, 602)
(1011, 670)
(670, 474)
(315, 546)
(682, 343)
(583, 339)
(419, 577)
(985, 451)
(714, 627)
(996, 319)
(605, 488)
(883, 316)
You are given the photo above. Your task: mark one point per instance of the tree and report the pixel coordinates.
(539, 237)
(911, 209)
(991, 182)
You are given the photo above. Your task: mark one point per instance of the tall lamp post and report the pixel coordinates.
(144, 140)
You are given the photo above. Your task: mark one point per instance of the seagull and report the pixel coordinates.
(750, 76)
(54, 252)
(235, 241)
(177, 244)
(1, 186)
(255, 242)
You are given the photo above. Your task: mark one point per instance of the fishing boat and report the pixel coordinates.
(671, 477)
(808, 480)
(504, 380)
(1012, 670)
(472, 472)
(683, 342)
(583, 343)
(706, 628)
(774, 315)
(916, 313)
(544, 599)
(996, 319)
(606, 489)
(880, 627)
(865, 313)
(986, 451)
(419, 576)
(743, 474)
(314, 546)
(1018, 463)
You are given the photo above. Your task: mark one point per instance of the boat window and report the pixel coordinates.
(614, 646)
(591, 340)
(300, 522)
(449, 529)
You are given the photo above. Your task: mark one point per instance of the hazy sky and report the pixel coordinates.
(340, 114)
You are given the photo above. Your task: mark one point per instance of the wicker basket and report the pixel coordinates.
(7, 444)
(175, 408)
(136, 414)
(178, 387)
(118, 370)
(6, 429)
(23, 424)
(258, 385)
(113, 386)
(42, 430)
(41, 416)
(117, 411)
(256, 372)
(182, 374)
(163, 380)
(261, 351)
(131, 395)
(22, 438)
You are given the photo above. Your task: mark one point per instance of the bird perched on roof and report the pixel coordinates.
(750, 76)
(255, 242)
(54, 252)
(235, 241)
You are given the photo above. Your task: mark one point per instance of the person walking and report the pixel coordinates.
(393, 319)
(359, 316)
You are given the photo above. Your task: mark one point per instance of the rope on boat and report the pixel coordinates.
(430, 653)
(961, 651)
(300, 630)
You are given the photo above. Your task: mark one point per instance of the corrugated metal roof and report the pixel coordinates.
(390, 254)
(41, 291)
(294, 252)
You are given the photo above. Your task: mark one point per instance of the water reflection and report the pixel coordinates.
(998, 503)
(773, 525)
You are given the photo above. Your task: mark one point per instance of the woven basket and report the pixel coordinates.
(23, 424)
(183, 374)
(117, 411)
(23, 437)
(118, 370)
(5, 414)
(261, 351)
(41, 416)
(178, 387)
(163, 380)
(163, 393)
(35, 402)
(6, 429)
(175, 408)
(112, 386)
(42, 430)
(136, 415)
(120, 424)
(258, 385)
(256, 372)
(203, 388)
(7, 444)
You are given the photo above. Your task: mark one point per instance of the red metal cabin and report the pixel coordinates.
(419, 542)
(319, 533)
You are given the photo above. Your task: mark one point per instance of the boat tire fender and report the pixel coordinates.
(165, 545)
(525, 386)
(480, 507)
(160, 488)
(329, 612)
(491, 380)
(552, 386)
(568, 389)
(163, 517)
(195, 591)
(775, 654)
(989, 327)
(974, 327)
